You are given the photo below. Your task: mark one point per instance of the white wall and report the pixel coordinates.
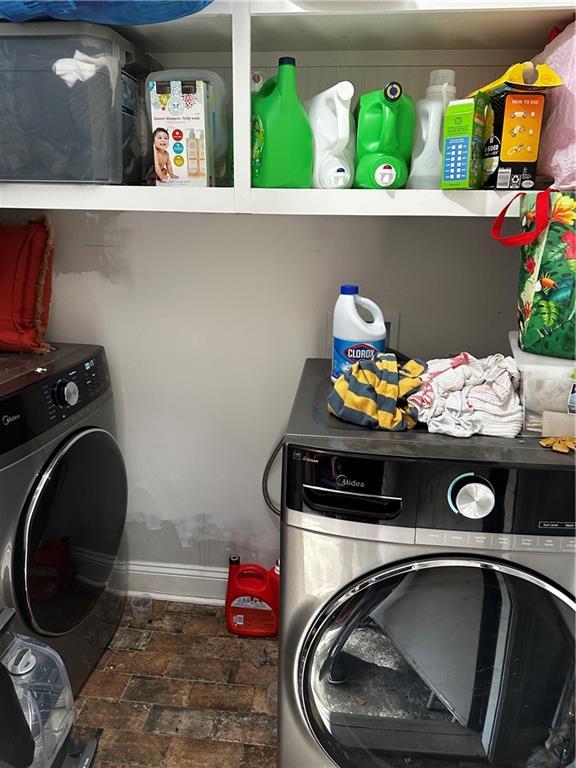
(207, 320)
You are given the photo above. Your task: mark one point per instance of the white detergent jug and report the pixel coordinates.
(355, 339)
(334, 137)
(426, 171)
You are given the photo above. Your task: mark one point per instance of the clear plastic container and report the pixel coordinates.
(41, 683)
(142, 607)
(545, 384)
(61, 111)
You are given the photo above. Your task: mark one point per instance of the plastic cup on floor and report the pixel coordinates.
(141, 607)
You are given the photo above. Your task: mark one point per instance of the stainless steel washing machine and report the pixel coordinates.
(63, 497)
(427, 597)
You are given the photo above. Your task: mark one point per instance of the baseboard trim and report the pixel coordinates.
(169, 581)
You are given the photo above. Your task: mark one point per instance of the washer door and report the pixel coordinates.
(71, 532)
(443, 662)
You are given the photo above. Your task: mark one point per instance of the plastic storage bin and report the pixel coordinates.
(61, 111)
(41, 684)
(545, 384)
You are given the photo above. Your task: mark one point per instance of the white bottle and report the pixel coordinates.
(334, 137)
(426, 171)
(354, 339)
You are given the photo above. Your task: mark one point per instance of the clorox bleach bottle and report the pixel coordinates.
(426, 170)
(334, 137)
(354, 338)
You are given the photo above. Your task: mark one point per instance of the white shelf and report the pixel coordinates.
(374, 202)
(319, 202)
(93, 197)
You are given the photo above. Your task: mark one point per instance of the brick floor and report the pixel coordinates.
(178, 691)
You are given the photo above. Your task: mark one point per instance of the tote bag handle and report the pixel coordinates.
(541, 222)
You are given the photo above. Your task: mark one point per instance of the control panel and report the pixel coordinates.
(50, 399)
(444, 503)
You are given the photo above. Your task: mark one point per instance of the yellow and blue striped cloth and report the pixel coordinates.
(374, 393)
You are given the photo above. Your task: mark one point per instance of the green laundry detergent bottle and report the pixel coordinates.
(385, 138)
(282, 141)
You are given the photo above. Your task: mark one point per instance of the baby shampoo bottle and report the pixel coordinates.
(355, 339)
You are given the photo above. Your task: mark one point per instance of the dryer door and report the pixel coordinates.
(70, 532)
(442, 663)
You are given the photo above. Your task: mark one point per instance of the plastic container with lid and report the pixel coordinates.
(61, 113)
(334, 137)
(43, 691)
(426, 170)
(545, 384)
(385, 137)
(354, 338)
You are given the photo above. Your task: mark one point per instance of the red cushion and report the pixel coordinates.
(26, 254)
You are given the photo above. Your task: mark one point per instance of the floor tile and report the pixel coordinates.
(207, 670)
(189, 753)
(236, 698)
(139, 662)
(232, 647)
(206, 625)
(246, 673)
(169, 622)
(245, 729)
(110, 685)
(158, 690)
(263, 701)
(134, 749)
(191, 723)
(122, 715)
(193, 609)
(259, 757)
(164, 642)
(127, 639)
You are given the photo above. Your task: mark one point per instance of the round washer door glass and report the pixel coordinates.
(442, 663)
(71, 531)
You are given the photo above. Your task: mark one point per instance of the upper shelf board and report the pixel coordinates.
(402, 29)
(319, 202)
(319, 25)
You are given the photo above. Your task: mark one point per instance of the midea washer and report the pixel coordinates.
(63, 496)
(427, 597)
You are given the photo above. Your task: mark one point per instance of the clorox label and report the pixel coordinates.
(345, 353)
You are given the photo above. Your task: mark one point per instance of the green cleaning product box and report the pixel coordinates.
(463, 142)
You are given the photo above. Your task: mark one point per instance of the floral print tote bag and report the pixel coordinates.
(547, 289)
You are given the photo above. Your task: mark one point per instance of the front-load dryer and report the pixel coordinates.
(63, 496)
(427, 597)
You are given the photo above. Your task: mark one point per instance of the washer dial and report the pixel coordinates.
(471, 496)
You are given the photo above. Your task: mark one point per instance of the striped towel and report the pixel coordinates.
(374, 393)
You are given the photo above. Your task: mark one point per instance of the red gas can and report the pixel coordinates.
(252, 599)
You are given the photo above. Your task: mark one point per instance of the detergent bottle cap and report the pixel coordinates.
(442, 81)
(349, 290)
(287, 60)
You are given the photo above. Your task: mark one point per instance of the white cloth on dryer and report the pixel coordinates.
(463, 396)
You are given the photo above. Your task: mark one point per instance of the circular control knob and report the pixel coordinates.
(471, 496)
(66, 393)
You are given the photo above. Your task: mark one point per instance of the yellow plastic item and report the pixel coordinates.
(524, 76)
(559, 444)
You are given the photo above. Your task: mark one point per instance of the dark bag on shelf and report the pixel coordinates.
(547, 289)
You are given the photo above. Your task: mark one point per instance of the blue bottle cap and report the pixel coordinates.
(349, 290)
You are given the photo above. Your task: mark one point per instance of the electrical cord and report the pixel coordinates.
(265, 477)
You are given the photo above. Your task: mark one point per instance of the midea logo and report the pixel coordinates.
(346, 482)
(7, 420)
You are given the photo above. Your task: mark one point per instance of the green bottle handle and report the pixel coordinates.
(388, 132)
